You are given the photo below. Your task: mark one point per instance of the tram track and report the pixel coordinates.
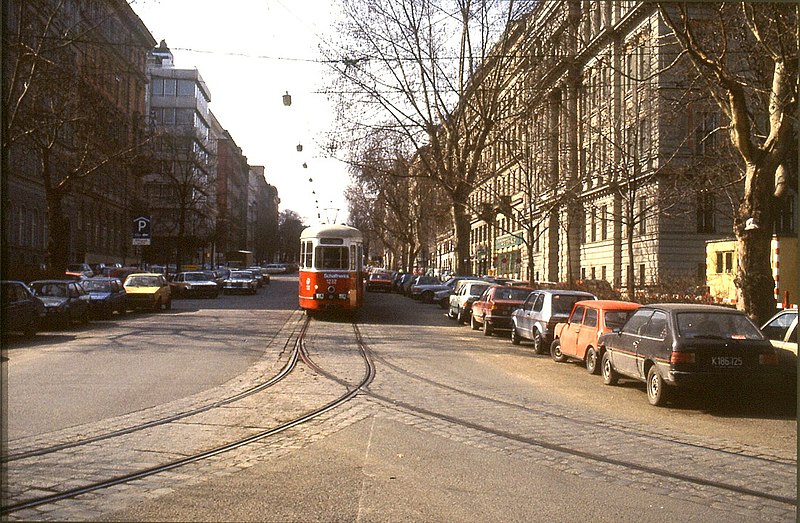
(280, 375)
(581, 452)
(297, 354)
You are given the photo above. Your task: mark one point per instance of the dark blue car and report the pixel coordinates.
(21, 310)
(106, 296)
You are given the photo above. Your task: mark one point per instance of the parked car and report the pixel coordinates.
(687, 345)
(538, 316)
(420, 284)
(80, 268)
(442, 297)
(492, 311)
(241, 281)
(465, 293)
(379, 281)
(21, 310)
(148, 291)
(275, 268)
(781, 331)
(400, 281)
(106, 296)
(427, 293)
(195, 284)
(65, 301)
(262, 274)
(576, 339)
(256, 275)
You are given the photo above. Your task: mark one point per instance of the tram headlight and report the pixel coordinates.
(343, 296)
(319, 296)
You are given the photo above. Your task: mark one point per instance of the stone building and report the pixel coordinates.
(70, 185)
(607, 164)
(262, 220)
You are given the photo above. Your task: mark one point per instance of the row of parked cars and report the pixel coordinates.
(78, 299)
(666, 346)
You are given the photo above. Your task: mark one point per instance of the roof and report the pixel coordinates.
(610, 304)
(332, 230)
(691, 307)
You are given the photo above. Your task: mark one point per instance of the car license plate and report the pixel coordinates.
(727, 361)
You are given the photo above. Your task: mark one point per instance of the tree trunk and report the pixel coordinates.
(58, 233)
(754, 282)
(461, 224)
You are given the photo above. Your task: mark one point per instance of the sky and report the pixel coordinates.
(250, 53)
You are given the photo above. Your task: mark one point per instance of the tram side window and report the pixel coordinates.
(305, 255)
(332, 258)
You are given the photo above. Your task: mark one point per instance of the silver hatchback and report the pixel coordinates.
(542, 310)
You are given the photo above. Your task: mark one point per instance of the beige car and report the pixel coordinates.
(781, 330)
(148, 291)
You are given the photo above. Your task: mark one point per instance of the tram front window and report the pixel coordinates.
(332, 258)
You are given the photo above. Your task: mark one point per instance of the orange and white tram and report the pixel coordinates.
(331, 268)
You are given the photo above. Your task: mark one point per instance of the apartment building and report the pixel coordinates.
(70, 189)
(180, 181)
(607, 163)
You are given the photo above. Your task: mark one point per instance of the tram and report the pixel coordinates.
(331, 268)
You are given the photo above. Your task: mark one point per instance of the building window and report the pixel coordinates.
(594, 224)
(724, 262)
(642, 215)
(603, 272)
(705, 212)
(641, 275)
(603, 223)
(785, 216)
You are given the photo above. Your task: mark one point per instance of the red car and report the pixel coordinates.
(493, 309)
(379, 281)
(577, 338)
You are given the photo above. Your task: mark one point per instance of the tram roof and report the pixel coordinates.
(332, 230)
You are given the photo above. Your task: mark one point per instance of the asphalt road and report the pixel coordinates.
(454, 426)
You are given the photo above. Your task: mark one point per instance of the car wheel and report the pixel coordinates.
(215, 295)
(538, 343)
(85, 316)
(473, 323)
(610, 376)
(108, 313)
(427, 297)
(168, 305)
(157, 305)
(656, 388)
(591, 361)
(515, 339)
(461, 317)
(555, 352)
(487, 328)
(443, 305)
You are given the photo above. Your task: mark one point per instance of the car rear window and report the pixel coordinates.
(563, 303)
(717, 325)
(143, 281)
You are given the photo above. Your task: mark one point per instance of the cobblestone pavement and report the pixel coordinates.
(416, 385)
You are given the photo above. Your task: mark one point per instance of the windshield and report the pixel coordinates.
(95, 285)
(717, 325)
(332, 258)
(143, 281)
(57, 290)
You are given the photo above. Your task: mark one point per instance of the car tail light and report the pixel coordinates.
(682, 357)
(768, 358)
(492, 306)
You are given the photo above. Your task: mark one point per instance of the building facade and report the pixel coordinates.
(70, 190)
(606, 165)
(262, 222)
(180, 180)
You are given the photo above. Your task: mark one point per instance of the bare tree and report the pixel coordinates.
(435, 69)
(290, 225)
(56, 116)
(747, 53)
(180, 192)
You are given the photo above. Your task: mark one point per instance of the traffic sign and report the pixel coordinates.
(141, 230)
